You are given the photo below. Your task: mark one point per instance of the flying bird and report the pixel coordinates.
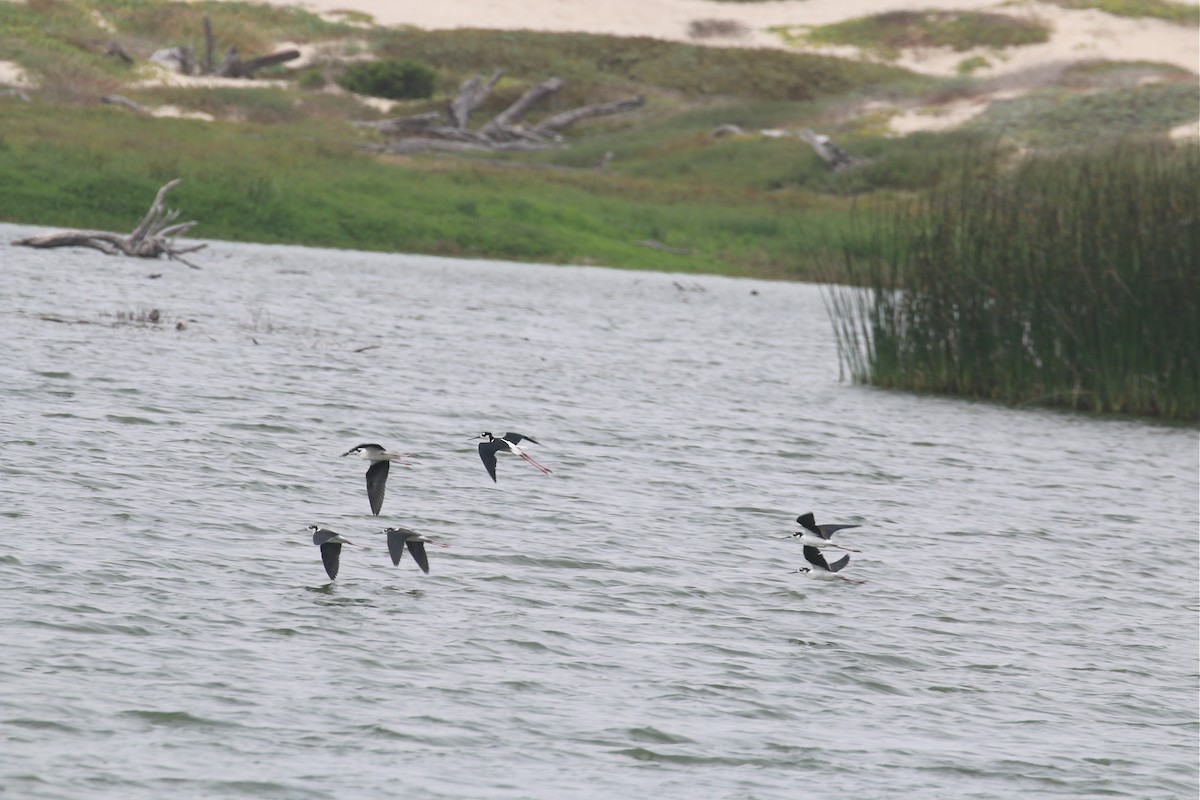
(818, 536)
(399, 538)
(509, 442)
(376, 473)
(822, 570)
(331, 548)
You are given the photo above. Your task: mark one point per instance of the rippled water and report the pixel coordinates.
(630, 626)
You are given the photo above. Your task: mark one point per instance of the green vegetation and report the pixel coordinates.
(1179, 13)
(393, 80)
(1057, 118)
(599, 65)
(1073, 227)
(1070, 281)
(98, 168)
(894, 31)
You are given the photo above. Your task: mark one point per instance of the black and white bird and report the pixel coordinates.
(376, 473)
(509, 442)
(399, 538)
(823, 570)
(330, 543)
(818, 536)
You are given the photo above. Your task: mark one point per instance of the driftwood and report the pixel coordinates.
(178, 59)
(232, 65)
(208, 45)
(115, 49)
(124, 102)
(472, 92)
(505, 120)
(837, 158)
(559, 121)
(420, 132)
(183, 60)
(154, 236)
(403, 126)
(421, 144)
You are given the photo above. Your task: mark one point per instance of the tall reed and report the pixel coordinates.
(1070, 279)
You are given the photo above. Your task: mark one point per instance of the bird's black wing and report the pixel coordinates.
(516, 438)
(813, 556)
(417, 548)
(376, 479)
(330, 553)
(810, 522)
(837, 565)
(487, 452)
(830, 530)
(396, 538)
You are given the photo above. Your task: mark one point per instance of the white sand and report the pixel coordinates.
(12, 75)
(1077, 35)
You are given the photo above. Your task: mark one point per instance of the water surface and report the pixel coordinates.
(628, 626)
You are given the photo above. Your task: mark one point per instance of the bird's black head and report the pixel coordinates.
(804, 569)
(313, 528)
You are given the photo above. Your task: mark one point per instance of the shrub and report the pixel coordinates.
(394, 80)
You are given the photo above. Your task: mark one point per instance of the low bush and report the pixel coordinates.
(393, 80)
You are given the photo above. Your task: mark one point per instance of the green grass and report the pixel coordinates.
(894, 31)
(1057, 118)
(1071, 281)
(601, 65)
(1179, 13)
(99, 168)
(1048, 244)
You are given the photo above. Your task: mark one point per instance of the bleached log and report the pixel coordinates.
(208, 46)
(559, 121)
(153, 237)
(424, 145)
(232, 65)
(403, 126)
(115, 49)
(176, 58)
(837, 158)
(509, 116)
(124, 102)
(472, 92)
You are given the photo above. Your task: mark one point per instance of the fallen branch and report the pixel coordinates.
(509, 116)
(403, 126)
(837, 158)
(115, 49)
(124, 102)
(559, 121)
(421, 132)
(154, 236)
(232, 65)
(472, 92)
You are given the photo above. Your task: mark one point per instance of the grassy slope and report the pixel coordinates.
(285, 165)
(291, 169)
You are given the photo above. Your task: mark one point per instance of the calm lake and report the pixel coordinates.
(629, 626)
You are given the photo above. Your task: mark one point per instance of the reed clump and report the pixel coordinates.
(1068, 280)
